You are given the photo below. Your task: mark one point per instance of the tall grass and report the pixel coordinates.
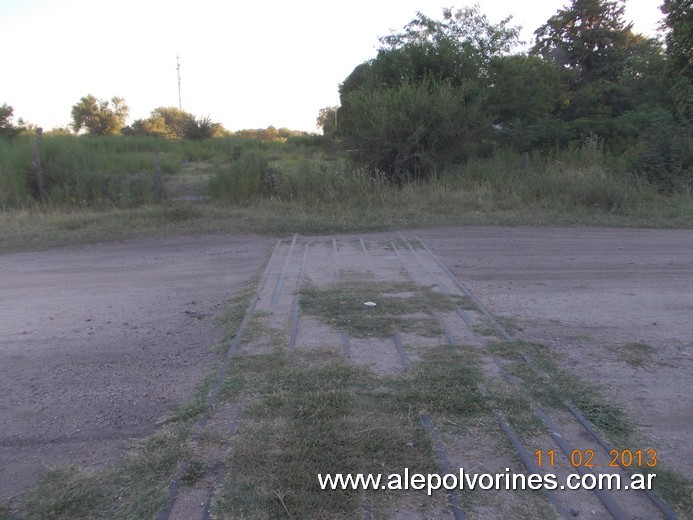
(311, 176)
(99, 172)
(583, 179)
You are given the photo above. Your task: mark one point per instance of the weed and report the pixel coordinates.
(399, 307)
(70, 493)
(634, 354)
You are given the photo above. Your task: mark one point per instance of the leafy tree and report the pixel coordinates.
(458, 48)
(7, 129)
(588, 38)
(152, 126)
(644, 75)
(99, 117)
(203, 128)
(327, 121)
(524, 94)
(166, 122)
(417, 105)
(608, 71)
(678, 22)
(175, 121)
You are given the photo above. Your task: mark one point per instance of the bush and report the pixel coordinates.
(245, 179)
(664, 154)
(412, 130)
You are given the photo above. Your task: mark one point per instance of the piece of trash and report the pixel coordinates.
(369, 304)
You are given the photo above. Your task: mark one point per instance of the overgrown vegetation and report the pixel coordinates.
(445, 125)
(444, 91)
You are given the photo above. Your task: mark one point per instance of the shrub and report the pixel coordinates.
(412, 130)
(664, 154)
(245, 179)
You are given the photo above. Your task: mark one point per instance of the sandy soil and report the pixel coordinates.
(99, 342)
(586, 292)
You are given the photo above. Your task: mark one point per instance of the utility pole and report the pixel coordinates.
(180, 105)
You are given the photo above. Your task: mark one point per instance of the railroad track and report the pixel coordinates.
(567, 435)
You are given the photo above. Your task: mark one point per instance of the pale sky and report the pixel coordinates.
(245, 64)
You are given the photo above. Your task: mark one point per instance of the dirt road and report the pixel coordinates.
(98, 342)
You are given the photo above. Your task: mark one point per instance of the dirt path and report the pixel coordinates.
(99, 342)
(588, 292)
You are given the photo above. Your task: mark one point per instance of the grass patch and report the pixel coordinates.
(676, 490)
(308, 419)
(486, 329)
(70, 493)
(102, 189)
(547, 383)
(402, 307)
(634, 354)
(445, 382)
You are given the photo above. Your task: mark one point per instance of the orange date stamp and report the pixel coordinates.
(586, 459)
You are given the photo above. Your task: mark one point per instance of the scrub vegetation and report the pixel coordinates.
(448, 124)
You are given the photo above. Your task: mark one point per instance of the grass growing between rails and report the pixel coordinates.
(545, 382)
(402, 306)
(313, 413)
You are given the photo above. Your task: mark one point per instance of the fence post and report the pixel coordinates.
(37, 164)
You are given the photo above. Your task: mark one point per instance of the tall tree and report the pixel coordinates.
(458, 49)
(418, 105)
(678, 22)
(588, 38)
(327, 121)
(98, 116)
(8, 130)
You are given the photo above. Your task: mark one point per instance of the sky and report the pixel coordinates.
(247, 64)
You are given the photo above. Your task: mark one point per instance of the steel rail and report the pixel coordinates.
(174, 485)
(280, 280)
(297, 296)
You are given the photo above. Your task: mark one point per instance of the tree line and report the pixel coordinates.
(100, 117)
(442, 91)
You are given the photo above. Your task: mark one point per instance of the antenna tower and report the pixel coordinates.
(180, 105)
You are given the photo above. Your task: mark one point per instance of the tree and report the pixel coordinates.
(99, 117)
(7, 129)
(608, 70)
(589, 38)
(524, 95)
(202, 128)
(418, 105)
(327, 121)
(678, 23)
(175, 121)
(458, 48)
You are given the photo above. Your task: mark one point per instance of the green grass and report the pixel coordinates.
(634, 354)
(321, 415)
(545, 382)
(312, 413)
(102, 189)
(402, 307)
